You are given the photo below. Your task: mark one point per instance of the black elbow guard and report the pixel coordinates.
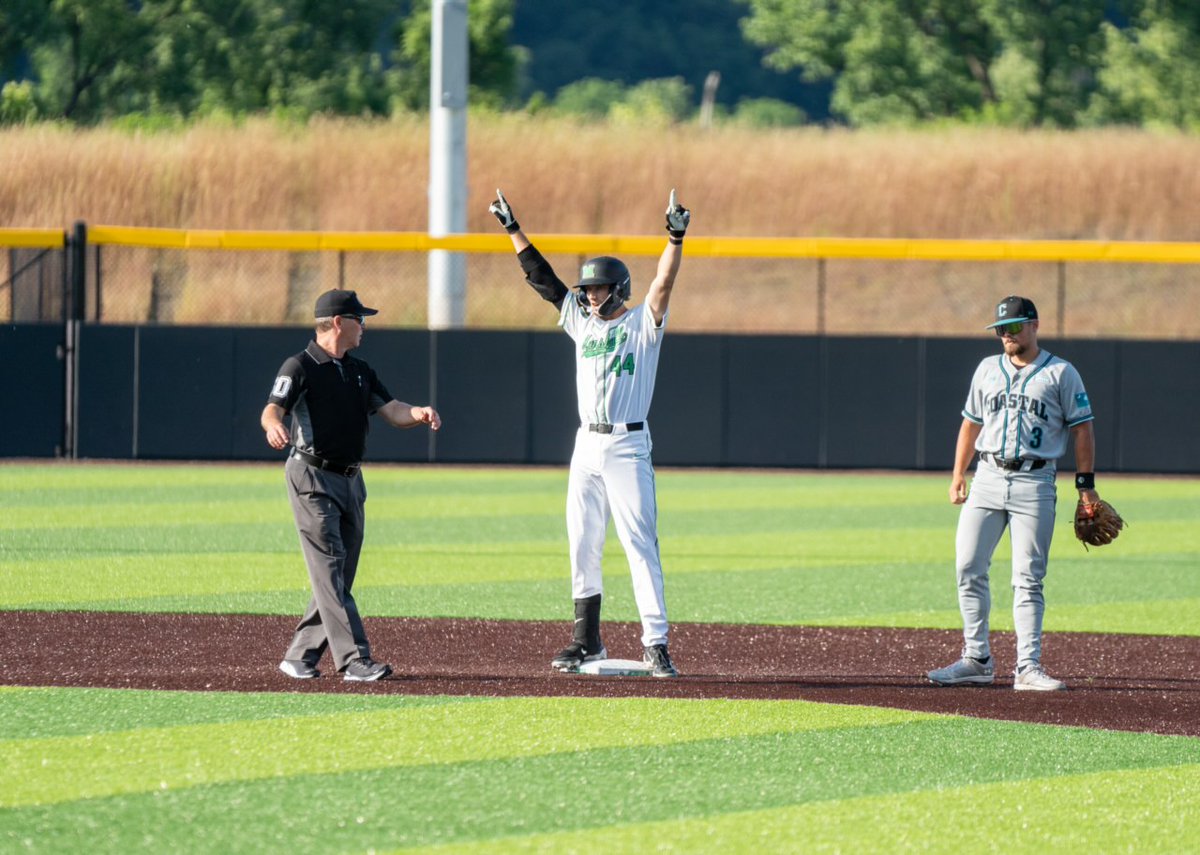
(541, 276)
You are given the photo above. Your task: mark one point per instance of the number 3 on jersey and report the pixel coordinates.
(620, 365)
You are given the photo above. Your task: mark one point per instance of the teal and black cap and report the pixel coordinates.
(1013, 310)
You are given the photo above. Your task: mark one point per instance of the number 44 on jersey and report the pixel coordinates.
(619, 365)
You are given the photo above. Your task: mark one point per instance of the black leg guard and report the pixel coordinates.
(587, 622)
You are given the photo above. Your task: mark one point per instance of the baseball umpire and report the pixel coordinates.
(1021, 407)
(616, 360)
(329, 395)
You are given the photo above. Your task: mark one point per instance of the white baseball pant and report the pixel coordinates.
(613, 474)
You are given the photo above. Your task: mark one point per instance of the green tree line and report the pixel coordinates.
(92, 60)
(1010, 62)
(1024, 63)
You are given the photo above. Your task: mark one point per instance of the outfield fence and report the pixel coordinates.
(802, 286)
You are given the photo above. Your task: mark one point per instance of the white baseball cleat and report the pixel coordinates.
(1034, 679)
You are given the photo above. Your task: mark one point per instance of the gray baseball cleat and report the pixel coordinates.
(1033, 679)
(659, 660)
(365, 670)
(574, 655)
(964, 672)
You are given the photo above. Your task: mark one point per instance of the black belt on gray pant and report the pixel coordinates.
(1019, 464)
(349, 470)
(630, 427)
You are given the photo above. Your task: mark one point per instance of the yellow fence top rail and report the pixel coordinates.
(1129, 252)
(33, 238)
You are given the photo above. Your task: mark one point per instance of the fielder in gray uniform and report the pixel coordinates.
(616, 360)
(1020, 410)
(329, 395)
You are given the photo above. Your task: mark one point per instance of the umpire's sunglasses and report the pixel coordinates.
(1010, 329)
(358, 318)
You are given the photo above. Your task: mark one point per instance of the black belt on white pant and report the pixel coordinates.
(630, 427)
(1017, 464)
(349, 470)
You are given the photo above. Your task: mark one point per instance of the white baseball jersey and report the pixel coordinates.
(1026, 412)
(616, 362)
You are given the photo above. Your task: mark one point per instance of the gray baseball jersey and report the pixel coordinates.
(1026, 412)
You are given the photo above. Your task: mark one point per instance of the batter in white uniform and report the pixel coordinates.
(616, 360)
(1019, 412)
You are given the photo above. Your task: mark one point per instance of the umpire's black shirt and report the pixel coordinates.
(330, 400)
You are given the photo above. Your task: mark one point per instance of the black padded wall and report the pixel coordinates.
(509, 397)
(482, 387)
(34, 390)
(870, 386)
(1159, 407)
(775, 408)
(107, 391)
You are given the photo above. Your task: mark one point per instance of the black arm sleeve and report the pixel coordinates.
(540, 275)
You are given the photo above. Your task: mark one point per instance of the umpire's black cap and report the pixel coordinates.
(1010, 310)
(339, 302)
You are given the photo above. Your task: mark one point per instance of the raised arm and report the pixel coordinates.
(538, 272)
(658, 298)
(501, 210)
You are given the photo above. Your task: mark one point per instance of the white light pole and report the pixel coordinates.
(448, 161)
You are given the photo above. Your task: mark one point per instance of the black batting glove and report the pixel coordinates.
(678, 218)
(503, 213)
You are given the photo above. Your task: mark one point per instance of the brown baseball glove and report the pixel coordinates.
(1097, 523)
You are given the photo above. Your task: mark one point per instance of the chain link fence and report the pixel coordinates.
(33, 275)
(789, 289)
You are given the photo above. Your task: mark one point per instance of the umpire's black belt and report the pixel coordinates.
(630, 427)
(1017, 464)
(349, 470)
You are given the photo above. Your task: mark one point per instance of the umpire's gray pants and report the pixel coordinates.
(329, 517)
(1025, 503)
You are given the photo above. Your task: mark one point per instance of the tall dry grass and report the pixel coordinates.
(565, 177)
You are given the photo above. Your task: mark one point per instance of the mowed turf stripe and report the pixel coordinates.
(58, 769)
(41, 712)
(1141, 617)
(1144, 810)
(1148, 617)
(586, 790)
(739, 547)
(104, 581)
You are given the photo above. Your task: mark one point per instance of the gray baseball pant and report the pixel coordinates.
(1024, 502)
(329, 518)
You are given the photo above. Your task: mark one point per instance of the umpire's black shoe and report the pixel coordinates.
(575, 654)
(299, 669)
(366, 670)
(659, 661)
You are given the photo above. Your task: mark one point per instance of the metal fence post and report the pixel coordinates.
(1062, 298)
(74, 286)
(820, 296)
(97, 285)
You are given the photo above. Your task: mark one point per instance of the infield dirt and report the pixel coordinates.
(1136, 683)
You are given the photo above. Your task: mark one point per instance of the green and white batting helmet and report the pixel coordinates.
(604, 270)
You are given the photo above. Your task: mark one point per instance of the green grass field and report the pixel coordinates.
(125, 770)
